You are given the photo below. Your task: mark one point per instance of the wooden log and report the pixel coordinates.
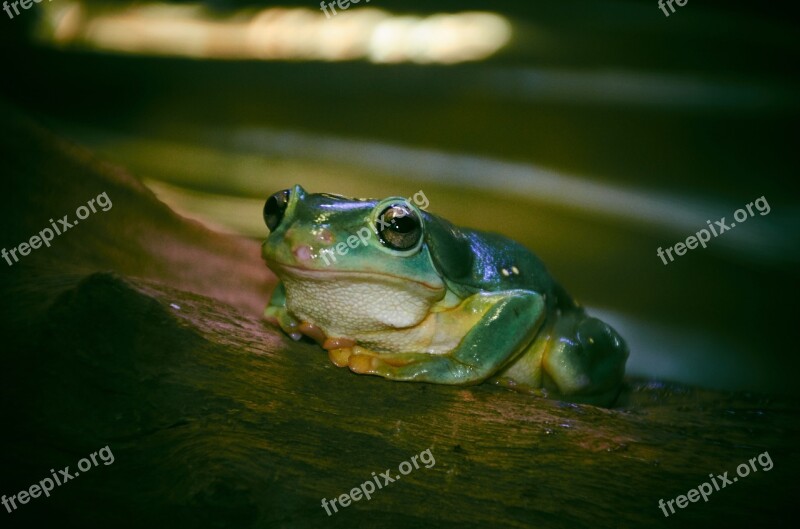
(141, 331)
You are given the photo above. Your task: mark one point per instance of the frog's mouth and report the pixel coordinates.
(353, 276)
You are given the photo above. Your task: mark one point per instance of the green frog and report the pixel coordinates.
(389, 289)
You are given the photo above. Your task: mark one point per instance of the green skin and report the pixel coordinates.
(459, 307)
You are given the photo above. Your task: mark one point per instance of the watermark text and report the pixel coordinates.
(366, 489)
(47, 235)
(47, 485)
(720, 482)
(718, 228)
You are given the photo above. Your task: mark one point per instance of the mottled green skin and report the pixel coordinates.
(475, 306)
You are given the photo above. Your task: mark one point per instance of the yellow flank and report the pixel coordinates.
(528, 367)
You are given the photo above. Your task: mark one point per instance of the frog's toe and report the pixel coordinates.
(364, 364)
(359, 360)
(312, 331)
(338, 343)
(289, 325)
(340, 357)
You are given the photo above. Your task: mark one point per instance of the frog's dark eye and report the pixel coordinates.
(399, 227)
(275, 208)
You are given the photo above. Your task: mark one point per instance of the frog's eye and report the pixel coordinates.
(399, 227)
(275, 208)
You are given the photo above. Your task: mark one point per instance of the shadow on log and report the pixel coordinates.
(141, 330)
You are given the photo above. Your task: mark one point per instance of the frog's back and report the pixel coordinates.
(474, 261)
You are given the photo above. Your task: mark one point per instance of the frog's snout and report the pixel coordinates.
(303, 248)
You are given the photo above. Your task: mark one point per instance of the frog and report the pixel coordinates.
(409, 296)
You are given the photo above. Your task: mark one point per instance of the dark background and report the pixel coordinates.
(696, 112)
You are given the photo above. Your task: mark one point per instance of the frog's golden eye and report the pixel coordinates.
(275, 208)
(399, 227)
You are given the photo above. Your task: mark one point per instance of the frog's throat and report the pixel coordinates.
(333, 275)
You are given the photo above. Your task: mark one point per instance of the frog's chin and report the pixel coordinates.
(300, 272)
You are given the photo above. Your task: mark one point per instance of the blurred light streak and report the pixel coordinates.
(637, 88)
(275, 33)
(683, 215)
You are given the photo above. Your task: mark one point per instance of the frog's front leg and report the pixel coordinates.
(277, 314)
(510, 321)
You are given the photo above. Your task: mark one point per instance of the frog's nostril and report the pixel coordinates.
(303, 253)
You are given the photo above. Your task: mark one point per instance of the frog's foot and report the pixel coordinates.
(343, 352)
(293, 327)
(586, 361)
(366, 362)
(280, 317)
(276, 314)
(419, 367)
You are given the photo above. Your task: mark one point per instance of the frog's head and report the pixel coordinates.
(352, 265)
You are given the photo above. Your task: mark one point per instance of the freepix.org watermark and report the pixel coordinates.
(25, 4)
(720, 482)
(329, 254)
(47, 235)
(663, 6)
(381, 480)
(47, 485)
(343, 5)
(718, 228)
